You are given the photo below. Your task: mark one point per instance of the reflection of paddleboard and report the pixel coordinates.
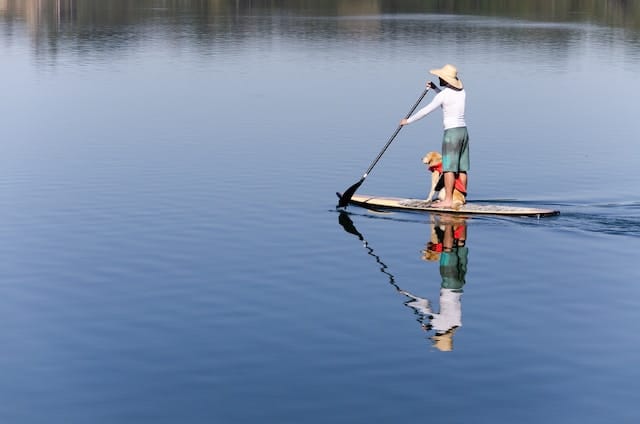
(421, 205)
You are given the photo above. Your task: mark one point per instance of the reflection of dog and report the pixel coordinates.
(432, 250)
(434, 161)
(435, 245)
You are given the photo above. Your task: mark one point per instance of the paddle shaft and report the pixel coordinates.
(348, 193)
(384, 149)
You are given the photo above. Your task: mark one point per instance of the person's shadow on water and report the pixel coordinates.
(448, 245)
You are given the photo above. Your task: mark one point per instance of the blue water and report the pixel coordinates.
(171, 251)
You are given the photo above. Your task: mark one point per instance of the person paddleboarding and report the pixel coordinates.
(455, 142)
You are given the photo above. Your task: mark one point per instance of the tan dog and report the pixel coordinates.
(433, 160)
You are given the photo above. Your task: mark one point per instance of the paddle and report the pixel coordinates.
(348, 193)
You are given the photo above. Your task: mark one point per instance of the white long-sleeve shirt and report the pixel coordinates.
(450, 315)
(452, 103)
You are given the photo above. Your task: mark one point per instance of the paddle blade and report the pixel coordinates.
(348, 194)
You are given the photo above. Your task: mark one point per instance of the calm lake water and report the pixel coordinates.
(171, 251)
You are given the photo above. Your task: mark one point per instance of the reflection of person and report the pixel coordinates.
(448, 244)
(455, 142)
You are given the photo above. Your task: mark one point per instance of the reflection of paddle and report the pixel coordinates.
(445, 322)
(348, 193)
(414, 301)
(348, 226)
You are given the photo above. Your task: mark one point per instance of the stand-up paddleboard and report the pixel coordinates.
(421, 205)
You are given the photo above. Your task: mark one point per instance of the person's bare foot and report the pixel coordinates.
(442, 205)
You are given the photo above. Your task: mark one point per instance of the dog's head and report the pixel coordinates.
(432, 159)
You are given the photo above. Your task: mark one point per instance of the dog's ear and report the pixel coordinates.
(436, 158)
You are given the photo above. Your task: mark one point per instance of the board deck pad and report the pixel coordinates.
(470, 208)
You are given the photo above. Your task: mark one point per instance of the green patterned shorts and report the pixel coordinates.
(455, 150)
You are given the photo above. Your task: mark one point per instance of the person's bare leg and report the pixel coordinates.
(449, 180)
(463, 179)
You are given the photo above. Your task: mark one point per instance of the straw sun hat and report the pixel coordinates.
(449, 73)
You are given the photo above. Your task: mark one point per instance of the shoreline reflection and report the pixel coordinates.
(109, 27)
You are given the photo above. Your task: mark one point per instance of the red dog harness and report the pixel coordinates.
(458, 185)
